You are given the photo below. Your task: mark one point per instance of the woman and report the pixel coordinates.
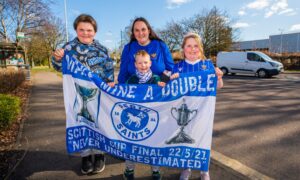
(194, 60)
(144, 38)
(94, 56)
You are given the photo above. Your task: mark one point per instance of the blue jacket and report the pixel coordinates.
(94, 56)
(159, 53)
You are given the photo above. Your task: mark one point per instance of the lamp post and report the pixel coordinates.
(66, 20)
(281, 31)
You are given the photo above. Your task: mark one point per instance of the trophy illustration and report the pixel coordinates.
(183, 116)
(87, 95)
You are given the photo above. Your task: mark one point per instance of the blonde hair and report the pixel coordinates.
(142, 53)
(197, 39)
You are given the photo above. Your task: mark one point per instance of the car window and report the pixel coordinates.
(254, 57)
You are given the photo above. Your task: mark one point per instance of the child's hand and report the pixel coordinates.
(161, 84)
(174, 76)
(59, 54)
(219, 73)
(111, 84)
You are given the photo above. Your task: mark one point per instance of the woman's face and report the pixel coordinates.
(141, 32)
(85, 32)
(191, 50)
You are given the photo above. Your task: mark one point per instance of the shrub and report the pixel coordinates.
(10, 79)
(9, 109)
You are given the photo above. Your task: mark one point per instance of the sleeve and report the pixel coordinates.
(168, 60)
(110, 70)
(56, 65)
(157, 79)
(123, 74)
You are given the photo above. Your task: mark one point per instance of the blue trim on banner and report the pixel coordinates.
(81, 137)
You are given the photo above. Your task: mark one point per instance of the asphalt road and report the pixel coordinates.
(257, 122)
(44, 144)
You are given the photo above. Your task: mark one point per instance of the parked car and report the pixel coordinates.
(248, 62)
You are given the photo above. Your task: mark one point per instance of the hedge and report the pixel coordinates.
(10, 79)
(9, 109)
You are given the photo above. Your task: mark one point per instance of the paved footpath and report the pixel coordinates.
(43, 140)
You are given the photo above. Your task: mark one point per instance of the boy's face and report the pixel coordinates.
(142, 63)
(85, 32)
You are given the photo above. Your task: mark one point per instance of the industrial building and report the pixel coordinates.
(281, 43)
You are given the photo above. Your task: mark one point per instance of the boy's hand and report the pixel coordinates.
(161, 84)
(174, 76)
(111, 84)
(59, 54)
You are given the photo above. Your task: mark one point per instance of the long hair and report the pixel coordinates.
(198, 40)
(152, 34)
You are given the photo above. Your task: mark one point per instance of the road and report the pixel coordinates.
(257, 122)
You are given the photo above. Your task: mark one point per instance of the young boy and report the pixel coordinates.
(143, 75)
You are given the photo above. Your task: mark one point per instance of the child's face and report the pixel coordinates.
(191, 49)
(142, 63)
(85, 32)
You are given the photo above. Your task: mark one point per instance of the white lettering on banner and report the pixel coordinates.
(149, 93)
(144, 151)
(188, 84)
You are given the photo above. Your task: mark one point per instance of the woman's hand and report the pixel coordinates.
(174, 76)
(59, 54)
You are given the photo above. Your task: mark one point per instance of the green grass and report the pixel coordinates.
(10, 109)
(44, 69)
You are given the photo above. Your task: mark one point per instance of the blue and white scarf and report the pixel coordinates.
(143, 77)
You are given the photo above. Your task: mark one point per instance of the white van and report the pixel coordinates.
(248, 62)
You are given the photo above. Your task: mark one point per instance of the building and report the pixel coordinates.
(282, 43)
(8, 51)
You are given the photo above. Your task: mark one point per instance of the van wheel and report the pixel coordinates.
(262, 73)
(224, 70)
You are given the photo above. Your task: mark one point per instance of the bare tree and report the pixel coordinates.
(214, 28)
(22, 16)
(48, 37)
(172, 35)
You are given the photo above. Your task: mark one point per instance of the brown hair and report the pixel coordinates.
(198, 40)
(152, 34)
(142, 53)
(87, 19)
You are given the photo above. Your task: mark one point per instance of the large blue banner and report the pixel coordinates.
(170, 126)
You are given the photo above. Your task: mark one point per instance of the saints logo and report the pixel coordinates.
(153, 55)
(134, 122)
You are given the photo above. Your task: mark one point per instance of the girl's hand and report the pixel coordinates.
(219, 73)
(174, 76)
(59, 54)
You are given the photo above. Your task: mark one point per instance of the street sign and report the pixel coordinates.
(20, 35)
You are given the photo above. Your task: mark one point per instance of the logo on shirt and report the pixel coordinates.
(153, 55)
(134, 122)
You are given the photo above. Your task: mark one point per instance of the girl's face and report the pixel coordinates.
(85, 32)
(142, 63)
(191, 50)
(141, 32)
